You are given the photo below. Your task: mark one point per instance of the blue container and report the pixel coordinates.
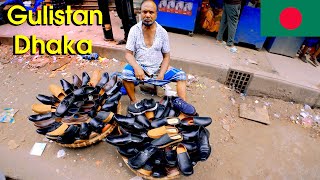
(178, 14)
(248, 30)
(287, 46)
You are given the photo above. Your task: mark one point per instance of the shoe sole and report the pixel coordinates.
(138, 113)
(158, 132)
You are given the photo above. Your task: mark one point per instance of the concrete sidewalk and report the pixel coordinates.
(274, 76)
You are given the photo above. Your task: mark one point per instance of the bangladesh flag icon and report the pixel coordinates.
(290, 18)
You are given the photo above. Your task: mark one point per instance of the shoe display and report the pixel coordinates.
(73, 116)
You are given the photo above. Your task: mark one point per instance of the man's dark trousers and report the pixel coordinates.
(230, 18)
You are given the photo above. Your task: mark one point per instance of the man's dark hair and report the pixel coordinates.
(147, 1)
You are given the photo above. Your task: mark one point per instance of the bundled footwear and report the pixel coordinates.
(142, 157)
(124, 139)
(166, 140)
(47, 100)
(142, 106)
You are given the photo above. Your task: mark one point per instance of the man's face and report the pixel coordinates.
(148, 13)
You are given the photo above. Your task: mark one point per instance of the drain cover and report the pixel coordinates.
(238, 80)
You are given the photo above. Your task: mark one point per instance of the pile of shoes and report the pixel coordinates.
(160, 138)
(79, 111)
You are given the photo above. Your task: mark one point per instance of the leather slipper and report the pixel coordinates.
(57, 91)
(42, 108)
(184, 162)
(59, 131)
(166, 140)
(158, 132)
(95, 78)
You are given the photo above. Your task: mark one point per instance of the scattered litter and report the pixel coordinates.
(38, 149)
(307, 122)
(252, 61)
(307, 107)
(8, 115)
(292, 118)
(302, 109)
(304, 114)
(118, 171)
(61, 153)
(267, 104)
(120, 164)
(115, 60)
(92, 56)
(276, 115)
(226, 127)
(258, 114)
(256, 101)
(233, 101)
(136, 178)
(13, 145)
(242, 96)
(317, 119)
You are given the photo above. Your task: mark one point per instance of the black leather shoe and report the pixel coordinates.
(85, 78)
(203, 144)
(96, 125)
(127, 151)
(184, 161)
(104, 116)
(112, 81)
(110, 107)
(142, 157)
(48, 100)
(77, 83)
(114, 89)
(159, 159)
(65, 104)
(83, 91)
(66, 86)
(165, 121)
(167, 140)
(191, 146)
(159, 111)
(104, 79)
(124, 139)
(196, 121)
(40, 117)
(165, 101)
(85, 131)
(70, 135)
(147, 168)
(129, 131)
(143, 120)
(159, 172)
(171, 157)
(50, 128)
(190, 135)
(128, 122)
(115, 97)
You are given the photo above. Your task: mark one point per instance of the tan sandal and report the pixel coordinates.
(158, 132)
(57, 91)
(95, 78)
(42, 108)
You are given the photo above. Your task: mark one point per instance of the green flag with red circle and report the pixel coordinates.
(290, 18)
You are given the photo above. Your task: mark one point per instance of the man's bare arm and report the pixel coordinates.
(138, 71)
(164, 65)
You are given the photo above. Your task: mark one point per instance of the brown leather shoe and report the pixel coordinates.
(46, 123)
(58, 132)
(75, 119)
(57, 91)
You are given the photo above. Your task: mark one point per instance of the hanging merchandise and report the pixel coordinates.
(80, 113)
(162, 139)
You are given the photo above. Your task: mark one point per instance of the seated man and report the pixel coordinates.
(148, 55)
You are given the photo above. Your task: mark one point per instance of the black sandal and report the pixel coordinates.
(123, 41)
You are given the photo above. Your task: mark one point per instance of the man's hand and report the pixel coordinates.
(160, 77)
(138, 71)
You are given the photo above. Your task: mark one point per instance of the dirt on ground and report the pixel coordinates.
(288, 148)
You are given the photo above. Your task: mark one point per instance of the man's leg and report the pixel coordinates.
(223, 24)
(177, 75)
(128, 81)
(130, 90)
(181, 90)
(232, 19)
